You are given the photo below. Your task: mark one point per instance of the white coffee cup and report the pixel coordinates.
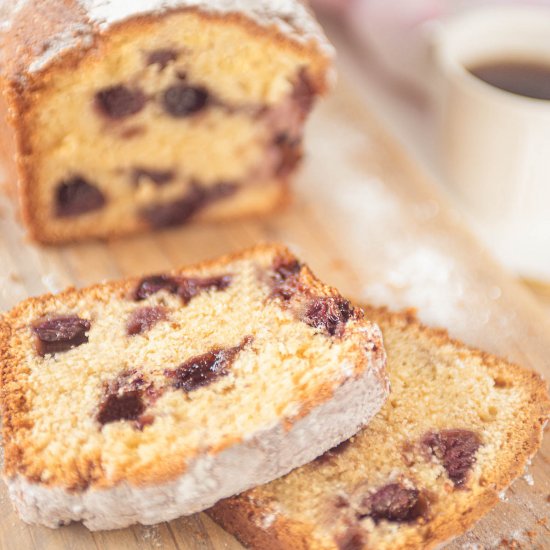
(495, 144)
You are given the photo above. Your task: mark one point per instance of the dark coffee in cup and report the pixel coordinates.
(526, 78)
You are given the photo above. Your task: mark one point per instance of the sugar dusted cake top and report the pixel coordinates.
(34, 32)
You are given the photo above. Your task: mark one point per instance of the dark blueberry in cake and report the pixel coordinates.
(170, 214)
(175, 212)
(77, 196)
(143, 319)
(158, 177)
(120, 101)
(191, 286)
(153, 284)
(179, 211)
(127, 405)
(285, 268)
(162, 57)
(204, 369)
(201, 370)
(330, 314)
(182, 100)
(394, 502)
(456, 449)
(186, 287)
(285, 279)
(60, 334)
(220, 190)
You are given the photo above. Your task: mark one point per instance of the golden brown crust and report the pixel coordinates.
(245, 515)
(246, 519)
(23, 90)
(7, 153)
(14, 386)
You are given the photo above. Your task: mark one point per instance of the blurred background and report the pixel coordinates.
(483, 136)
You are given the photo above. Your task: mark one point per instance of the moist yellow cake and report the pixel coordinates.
(142, 400)
(128, 116)
(459, 426)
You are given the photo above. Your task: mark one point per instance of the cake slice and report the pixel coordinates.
(459, 426)
(145, 399)
(128, 116)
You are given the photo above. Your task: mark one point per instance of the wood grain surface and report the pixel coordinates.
(367, 221)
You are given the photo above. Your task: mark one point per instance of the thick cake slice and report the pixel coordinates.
(458, 428)
(135, 115)
(142, 400)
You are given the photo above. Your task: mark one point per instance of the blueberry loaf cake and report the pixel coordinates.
(458, 427)
(143, 400)
(135, 115)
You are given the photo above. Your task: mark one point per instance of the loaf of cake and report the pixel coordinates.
(459, 426)
(127, 116)
(143, 400)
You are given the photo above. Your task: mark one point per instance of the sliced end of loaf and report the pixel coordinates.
(171, 383)
(164, 119)
(395, 486)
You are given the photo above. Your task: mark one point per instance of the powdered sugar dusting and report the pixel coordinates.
(401, 245)
(411, 276)
(107, 12)
(52, 283)
(150, 535)
(8, 9)
(290, 16)
(267, 521)
(528, 478)
(516, 538)
(519, 536)
(78, 34)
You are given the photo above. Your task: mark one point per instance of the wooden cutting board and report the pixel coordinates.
(369, 222)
